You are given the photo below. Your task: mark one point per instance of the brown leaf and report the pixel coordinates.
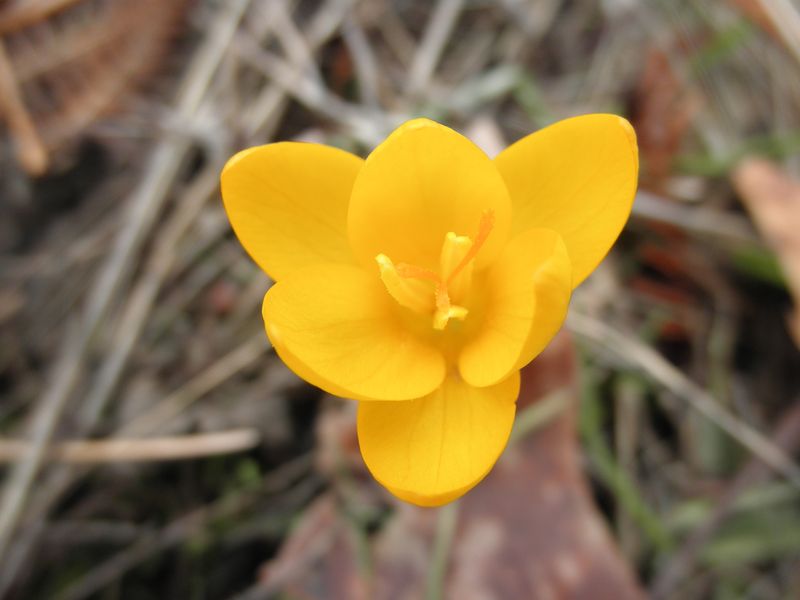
(85, 66)
(663, 111)
(529, 530)
(318, 555)
(772, 198)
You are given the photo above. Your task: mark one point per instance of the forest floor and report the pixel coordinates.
(153, 446)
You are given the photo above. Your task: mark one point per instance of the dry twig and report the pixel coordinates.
(138, 450)
(437, 33)
(144, 205)
(30, 150)
(641, 355)
(187, 526)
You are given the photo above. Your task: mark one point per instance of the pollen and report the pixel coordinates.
(441, 294)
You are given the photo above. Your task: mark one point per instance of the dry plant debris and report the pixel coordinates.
(664, 110)
(128, 312)
(64, 63)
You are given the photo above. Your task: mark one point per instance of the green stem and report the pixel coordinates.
(445, 530)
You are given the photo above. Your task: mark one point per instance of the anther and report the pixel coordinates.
(454, 249)
(410, 292)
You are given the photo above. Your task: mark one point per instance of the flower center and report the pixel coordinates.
(441, 294)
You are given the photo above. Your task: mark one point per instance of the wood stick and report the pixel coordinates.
(138, 450)
(29, 146)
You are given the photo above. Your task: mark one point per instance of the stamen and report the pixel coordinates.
(409, 292)
(410, 285)
(454, 249)
(446, 311)
(441, 317)
(484, 229)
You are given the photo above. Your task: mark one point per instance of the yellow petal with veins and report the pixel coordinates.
(287, 203)
(527, 294)
(577, 177)
(432, 450)
(424, 181)
(334, 324)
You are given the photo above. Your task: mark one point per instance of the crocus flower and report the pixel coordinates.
(421, 280)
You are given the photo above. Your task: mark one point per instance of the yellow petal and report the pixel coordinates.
(335, 326)
(527, 295)
(424, 181)
(577, 177)
(304, 372)
(553, 288)
(432, 450)
(287, 203)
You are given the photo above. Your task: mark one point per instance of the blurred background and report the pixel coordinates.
(153, 447)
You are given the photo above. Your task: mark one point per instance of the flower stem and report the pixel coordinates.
(445, 530)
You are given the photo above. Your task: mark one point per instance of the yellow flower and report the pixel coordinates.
(421, 280)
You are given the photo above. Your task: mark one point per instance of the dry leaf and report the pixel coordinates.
(772, 198)
(317, 543)
(64, 64)
(663, 110)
